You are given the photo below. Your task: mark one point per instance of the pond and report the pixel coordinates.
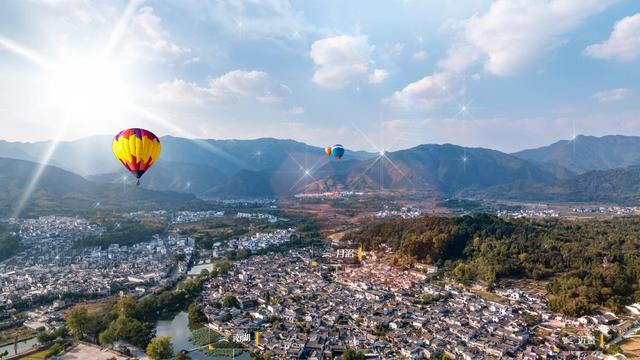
(178, 329)
(22, 346)
(198, 268)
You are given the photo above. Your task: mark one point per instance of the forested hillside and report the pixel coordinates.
(588, 263)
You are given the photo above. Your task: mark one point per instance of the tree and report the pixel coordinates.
(181, 356)
(351, 354)
(231, 301)
(160, 348)
(128, 329)
(196, 316)
(80, 323)
(179, 257)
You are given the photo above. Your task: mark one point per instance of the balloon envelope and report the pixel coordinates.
(327, 150)
(337, 151)
(136, 149)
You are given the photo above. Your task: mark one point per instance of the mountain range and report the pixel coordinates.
(59, 191)
(585, 168)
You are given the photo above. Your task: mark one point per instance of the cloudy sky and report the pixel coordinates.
(504, 74)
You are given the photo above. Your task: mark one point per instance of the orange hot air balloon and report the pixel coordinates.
(327, 150)
(137, 150)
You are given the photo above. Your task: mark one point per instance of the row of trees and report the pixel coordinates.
(588, 263)
(9, 243)
(122, 233)
(130, 320)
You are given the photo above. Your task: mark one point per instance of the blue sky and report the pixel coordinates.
(504, 74)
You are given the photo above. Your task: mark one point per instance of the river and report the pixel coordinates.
(178, 329)
(22, 346)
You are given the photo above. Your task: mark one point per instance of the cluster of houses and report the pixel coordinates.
(50, 266)
(305, 311)
(183, 217)
(253, 242)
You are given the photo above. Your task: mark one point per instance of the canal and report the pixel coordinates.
(178, 329)
(22, 346)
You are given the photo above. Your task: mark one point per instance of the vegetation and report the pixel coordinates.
(48, 336)
(160, 348)
(588, 263)
(351, 354)
(231, 301)
(56, 349)
(81, 324)
(196, 316)
(9, 243)
(122, 234)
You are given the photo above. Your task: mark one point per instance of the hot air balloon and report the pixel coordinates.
(137, 149)
(337, 151)
(327, 150)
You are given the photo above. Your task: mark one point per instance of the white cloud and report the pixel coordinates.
(193, 60)
(180, 91)
(258, 19)
(78, 10)
(427, 93)
(420, 55)
(623, 44)
(612, 95)
(508, 37)
(378, 76)
(340, 60)
(147, 39)
(460, 57)
(250, 84)
(237, 84)
(512, 35)
(298, 110)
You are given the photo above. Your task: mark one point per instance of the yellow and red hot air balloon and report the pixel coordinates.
(327, 150)
(137, 150)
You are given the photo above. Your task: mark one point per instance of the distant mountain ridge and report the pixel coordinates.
(270, 167)
(59, 191)
(586, 153)
(443, 169)
(616, 186)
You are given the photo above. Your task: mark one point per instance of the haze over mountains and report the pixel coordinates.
(271, 167)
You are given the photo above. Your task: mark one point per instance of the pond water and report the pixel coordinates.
(22, 346)
(178, 329)
(197, 268)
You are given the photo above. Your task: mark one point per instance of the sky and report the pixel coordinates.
(372, 75)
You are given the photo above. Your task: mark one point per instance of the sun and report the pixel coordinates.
(89, 87)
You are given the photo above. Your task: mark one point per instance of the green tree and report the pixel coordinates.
(160, 348)
(181, 356)
(128, 329)
(351, 354)
(231, 301)
(195, 314)
(80, 323)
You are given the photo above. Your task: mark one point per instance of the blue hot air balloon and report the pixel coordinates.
(337, 151)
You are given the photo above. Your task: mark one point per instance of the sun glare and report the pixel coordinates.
(91, 87)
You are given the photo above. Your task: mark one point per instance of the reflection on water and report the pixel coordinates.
(178, 329)
(22, 346)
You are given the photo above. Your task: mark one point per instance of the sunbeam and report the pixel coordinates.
(42, 165)
(119, 30)
(25, 53)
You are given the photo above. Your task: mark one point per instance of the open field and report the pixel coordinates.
(82, 351)
(631, 348)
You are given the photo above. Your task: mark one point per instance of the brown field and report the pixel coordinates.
(631, 348)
